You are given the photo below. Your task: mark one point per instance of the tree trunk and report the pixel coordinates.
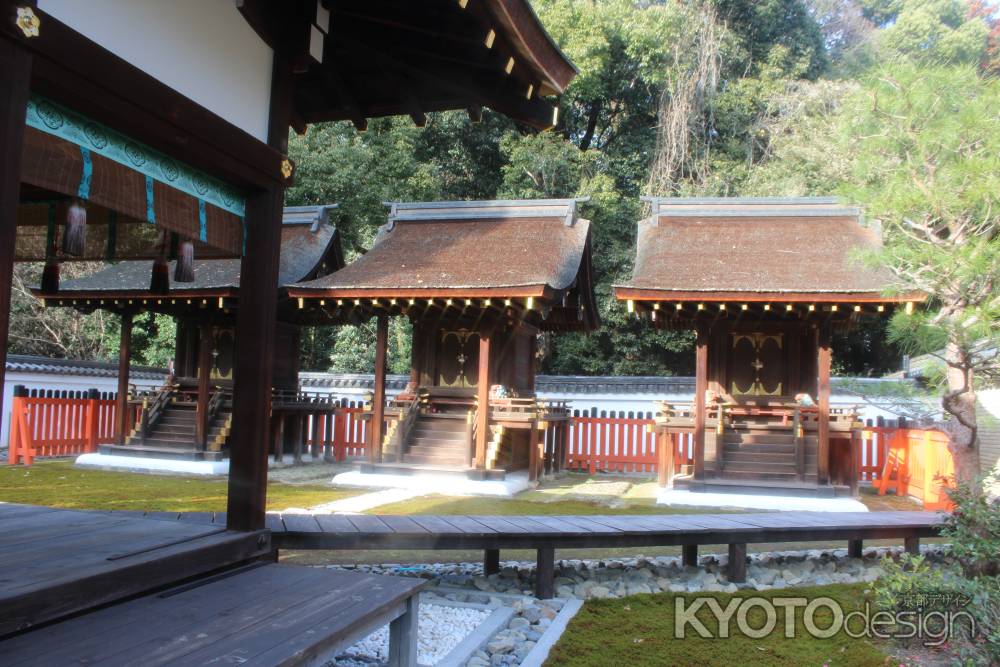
(960, 402)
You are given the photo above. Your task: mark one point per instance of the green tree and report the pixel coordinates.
(936, 31)
(928, 169)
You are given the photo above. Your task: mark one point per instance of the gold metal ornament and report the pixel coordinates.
(28, 22)
(287, 168)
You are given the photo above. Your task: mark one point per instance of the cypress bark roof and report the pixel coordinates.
(500, 247)
(747, 246)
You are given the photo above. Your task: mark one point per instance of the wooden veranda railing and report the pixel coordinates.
(59, 423)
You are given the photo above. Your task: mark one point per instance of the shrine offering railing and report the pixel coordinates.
(619, 442)
(59, 423)
(339, 433)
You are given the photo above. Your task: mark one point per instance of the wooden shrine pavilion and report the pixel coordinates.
(149, 125)
(190, 417)
(763, 282)
(478, 280)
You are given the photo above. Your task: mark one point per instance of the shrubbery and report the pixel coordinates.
(967, 581)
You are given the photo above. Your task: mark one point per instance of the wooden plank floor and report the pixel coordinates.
(57, 562)
(304, 531)
(263, 614)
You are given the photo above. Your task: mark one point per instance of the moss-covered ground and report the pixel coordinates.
(59, 484)
(639, 630)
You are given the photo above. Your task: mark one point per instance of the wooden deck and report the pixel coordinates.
(57, 562)
(264, 614)
(130, 588)
(547, 533)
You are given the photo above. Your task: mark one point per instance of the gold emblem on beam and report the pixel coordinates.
(28, 22)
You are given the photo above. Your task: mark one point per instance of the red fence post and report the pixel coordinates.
(90, 422)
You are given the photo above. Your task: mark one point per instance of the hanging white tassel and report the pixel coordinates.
(75, 238)
(184, 271)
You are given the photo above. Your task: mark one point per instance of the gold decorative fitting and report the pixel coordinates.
(286, 168)
(28, 22)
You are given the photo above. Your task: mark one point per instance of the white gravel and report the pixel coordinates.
(441, 628)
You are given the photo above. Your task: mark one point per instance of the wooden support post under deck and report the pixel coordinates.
(403, 635)
(823, 358)
(204, 375)
(545, 573)
(912, 545)
(491, 561)
(854, 548)
(738, 563)
(255, 324)
(15, 75)
(377, 425)
(121, 404)
(700, 387)
(483, 402)
(689, 555)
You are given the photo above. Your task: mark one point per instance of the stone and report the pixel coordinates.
(532, 614)
(544, 623)
(500, 644)
(533, 635)
(524, 649)
(599, 592)
(482, 584)
(677, 588)
(639, 589)
(564, 591)
(476, 661)
(518, 622)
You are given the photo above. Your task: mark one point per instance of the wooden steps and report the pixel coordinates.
(438, 440)
(761, 453)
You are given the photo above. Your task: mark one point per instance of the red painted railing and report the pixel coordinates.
(59, 424)
(340, 431)
(619, 443)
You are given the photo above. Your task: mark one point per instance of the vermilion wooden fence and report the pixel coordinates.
(918, 464)
(59, 423)
(339, 434)
(622, 442)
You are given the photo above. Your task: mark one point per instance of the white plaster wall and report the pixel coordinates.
(203, 49)
(62, 382)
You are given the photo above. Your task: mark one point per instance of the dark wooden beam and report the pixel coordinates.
(74, 70)
(204, 371)
(255, 326)
(823, 361)
(483, 399)
(700, 387)
(124, 352)
(15, 76)
(377, 425)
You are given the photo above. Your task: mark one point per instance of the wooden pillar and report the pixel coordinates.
(491, 561)
(416, 344)
(204, 373)
(665, 459)
(15, 75)
(545, 573)
(912, 545)
(823, 358)
(483, 403)
(255, 325)
(121, 405)
(689, 555)
(700, 387)
(855, 548)
(738, 563)
(377, 424)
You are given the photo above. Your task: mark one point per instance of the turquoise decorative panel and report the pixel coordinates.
(57, 120)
